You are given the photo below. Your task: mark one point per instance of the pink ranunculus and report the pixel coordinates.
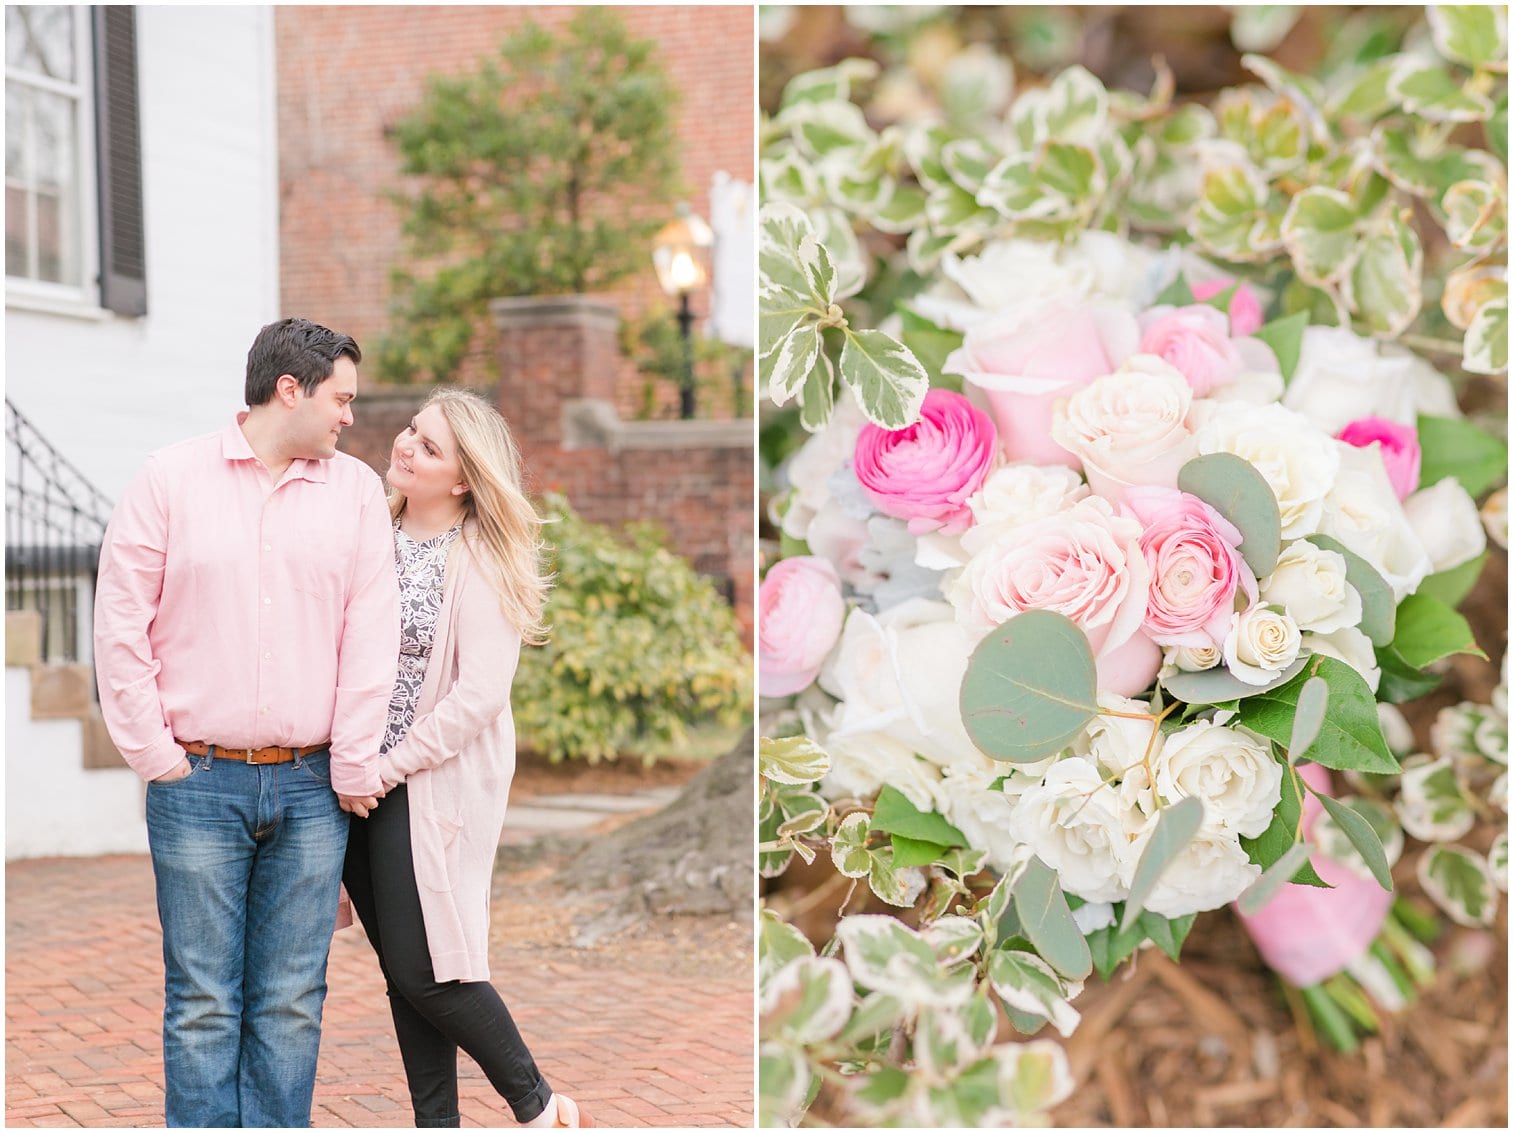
(1195, 567)
(1245, 314)
(925, 473)
(1398, 445)
(801, 615)
(1307, 934)
(1196, 340)
(1027, 359)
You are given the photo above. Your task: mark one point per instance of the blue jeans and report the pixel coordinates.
(248, 862)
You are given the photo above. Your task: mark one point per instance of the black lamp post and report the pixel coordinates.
(679, 253)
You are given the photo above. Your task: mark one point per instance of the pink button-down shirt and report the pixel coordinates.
(248, 614)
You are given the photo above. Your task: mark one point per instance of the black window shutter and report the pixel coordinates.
(118, 145)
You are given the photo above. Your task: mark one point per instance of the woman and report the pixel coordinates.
(467, 546)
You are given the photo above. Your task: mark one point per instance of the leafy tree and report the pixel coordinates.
(524, 172)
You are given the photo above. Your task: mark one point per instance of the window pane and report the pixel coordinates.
(40, 38)
(17, 101)
(55, 181)
(15, 231)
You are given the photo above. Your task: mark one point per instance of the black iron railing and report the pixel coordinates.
(54, 523)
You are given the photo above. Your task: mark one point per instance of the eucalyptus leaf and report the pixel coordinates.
(1313, 702)
(1378, 611)
(1276, 875)
(1234, 489)
(1219, 686)
(1175, 827)
(1046, 921)
(1030, 687)
(1362, 836)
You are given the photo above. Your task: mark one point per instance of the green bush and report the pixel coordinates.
(641, 648)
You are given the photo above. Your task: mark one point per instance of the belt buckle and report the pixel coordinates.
(247, 755)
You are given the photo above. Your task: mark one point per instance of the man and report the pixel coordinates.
(246, 637)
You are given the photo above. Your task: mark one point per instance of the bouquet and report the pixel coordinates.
(1103, 552)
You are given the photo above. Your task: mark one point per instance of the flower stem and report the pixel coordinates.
(1332, 1023)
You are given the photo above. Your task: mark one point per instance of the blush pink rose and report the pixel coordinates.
(926, 472)
(1195, 567)
(1398, 445)
(1307, 934)
(1244, 305)
(1196, 341)
(1024, 361)
(801, 615)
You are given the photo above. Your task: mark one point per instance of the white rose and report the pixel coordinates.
(1007, 273)
(1129, 427)
(899, 674)
(1072, 822)
(1211, 871)
(1363, 512)
(862, 763)
(1350, 645)
(1230, 770)
(1342, 376)
(1193, 658)
(1017, 494)
(1262, 642)
(1297, 460)
(1445, 519)
(1117, 743)
(980, 812)
(1309, 583)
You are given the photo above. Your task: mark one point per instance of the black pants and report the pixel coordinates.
(431, 1019)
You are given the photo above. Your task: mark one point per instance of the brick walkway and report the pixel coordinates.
(632, 1035)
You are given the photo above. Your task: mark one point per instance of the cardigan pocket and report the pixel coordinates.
(438, 851)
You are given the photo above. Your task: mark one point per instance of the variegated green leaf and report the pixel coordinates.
(793, 361)
(1476, 215)
(784, 226)
(808, 1001)
(1430, 92)
(1074, 108)
(817, 395)
(793, 760)
(1029, 985)
(1431, 804)
(1231, 217)
(1486, 344)
(1472, 34)
(848, 849)
(829, 84)
(888, 380)
(885, 955)
(1458, 881)
(1384, 286)
(954, 938)
(828, 131)
(778, 944)
(1319, 232)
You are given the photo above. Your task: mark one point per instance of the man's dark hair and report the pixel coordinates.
(304, 350)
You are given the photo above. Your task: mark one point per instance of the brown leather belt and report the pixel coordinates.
(252, 754)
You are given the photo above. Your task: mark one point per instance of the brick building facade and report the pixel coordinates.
(345, 74)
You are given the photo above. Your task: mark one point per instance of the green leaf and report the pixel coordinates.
(817, 395)
(1351, 736)
(1175, 827)
(1030, 687)
(930, 344)
(1045, 920)
(1283, 833)
(895, 814)
(1496, 128)
(793, 760)
(1361, 836)
(1219, 686)
(1276, 875)
(1166, 933)
(1458, 881)
(1454, 447)
(1285, 337)
(888, 381)
(1432, 93)
(1401, 682)
(1028, 985)
(1319, 232)
(1472, 34)
(913, 852)
(1313, 701)
(1234, 489)
(1427, 630)
(876, 1013)
(793, 362)
(779, 943)
(1486, 343)
(1385, 282)
(1378, 612)
(1177, 293)
(1451, 586)
(848, 849)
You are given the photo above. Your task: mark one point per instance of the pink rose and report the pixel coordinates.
(1027, 359)
(1195, 340)
(1307, 934)
(1244, 306)
(1195, 567)
(801, 615)
(1084, 562)
(925, 473)
(1398, 445)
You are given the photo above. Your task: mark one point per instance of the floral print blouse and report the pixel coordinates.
(422, 570)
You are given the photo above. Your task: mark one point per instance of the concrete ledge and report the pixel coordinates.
(23, 637)
(594, 423)
(99, 750)
(62, 692)
(554, 311)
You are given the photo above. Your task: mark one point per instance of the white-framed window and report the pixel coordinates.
(51, 230)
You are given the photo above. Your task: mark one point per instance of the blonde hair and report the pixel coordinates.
(504, 520)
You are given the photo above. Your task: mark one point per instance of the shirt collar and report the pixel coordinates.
(234, 446)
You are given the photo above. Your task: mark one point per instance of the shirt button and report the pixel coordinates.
(267, 601)
(264, 711)
(267, 656)
(267, 546)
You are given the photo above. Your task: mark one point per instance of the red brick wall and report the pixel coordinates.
(346, 73)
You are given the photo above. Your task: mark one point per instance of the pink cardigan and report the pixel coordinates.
(457, 762)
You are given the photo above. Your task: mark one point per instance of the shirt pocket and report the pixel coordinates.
(320, 563)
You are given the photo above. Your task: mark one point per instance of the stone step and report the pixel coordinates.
(61, 691)
(23, 638)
